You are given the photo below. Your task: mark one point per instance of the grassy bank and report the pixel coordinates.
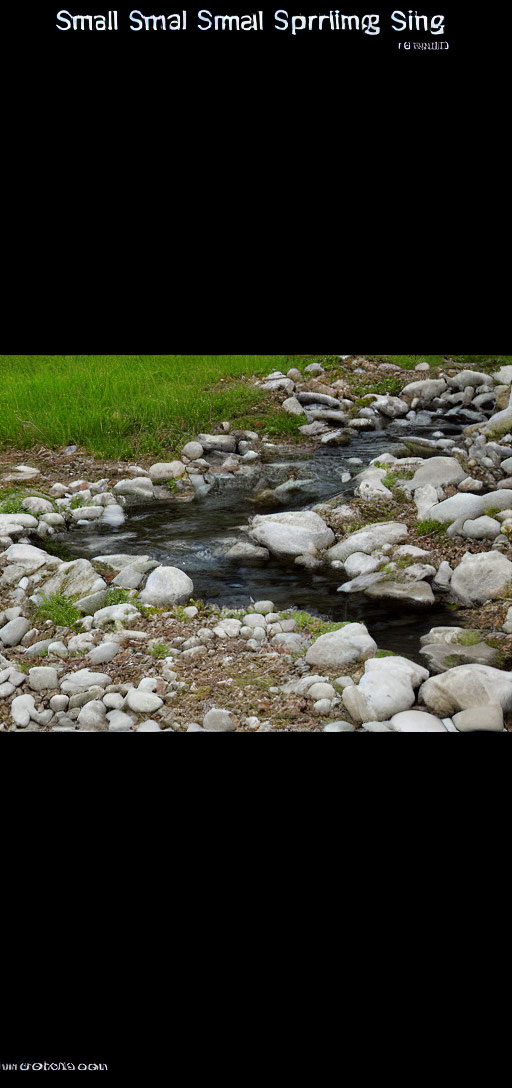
(122, 405)
(129, 406)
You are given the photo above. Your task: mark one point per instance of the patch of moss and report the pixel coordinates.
(469, 638)
(385, 653)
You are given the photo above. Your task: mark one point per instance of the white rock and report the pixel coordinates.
(291, 533)
(77, 578)
(369, 539)
(264, 608)
(83, 680)
(229, 628)
(119, 722)
(113, 701)
(483, 528)
(13, 632)
(488, 718)
(479, 578)
(103, 653)
(115, 613)
(321, 691)
(165, 471)
(436, 472)
(167, 586)
(143, 702)
(59, 702)
(150, 727)
(22, 709)
(344, 647)
(322, 707)
(219, 721)
(466, 687)
(92, 715)
(339, 727)
(192, 451)
(416, 721)
(293, 407)
(360, 563)
(223, 443)
(42, 678)
(387, 688)
(139, 486)
(30, 558)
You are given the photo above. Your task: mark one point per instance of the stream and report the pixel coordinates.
(189, 535)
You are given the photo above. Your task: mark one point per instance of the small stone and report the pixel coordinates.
(119, 722)
(143, 702)
(219, 721)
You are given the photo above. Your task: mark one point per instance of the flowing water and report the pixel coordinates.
(190, 535)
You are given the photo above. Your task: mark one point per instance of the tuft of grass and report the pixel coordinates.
(59, 609)
(77, 501)
(160, 651)
(313, 625)
(429, 527)
(117, 595)
(385, 653)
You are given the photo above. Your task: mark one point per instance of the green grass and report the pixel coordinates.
(313, 625)
(60, 610)
(11, 499)
(430, 527)
(117, 595)
(160, 651)
(120, 406)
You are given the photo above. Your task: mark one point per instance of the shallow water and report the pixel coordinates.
(189, 535)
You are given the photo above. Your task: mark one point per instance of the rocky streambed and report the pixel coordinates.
(357, 583)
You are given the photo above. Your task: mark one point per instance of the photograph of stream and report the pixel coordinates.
(256, 543)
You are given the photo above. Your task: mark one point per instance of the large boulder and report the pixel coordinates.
(447, 647)
(466, 507)
(481, 577)
(386, 689)
(466, 687)
(438, 471)
(30, 558)
(344, 647)
(77, 578)
(291, 534)
(370, 538)
(167, 586)
(424, 391)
